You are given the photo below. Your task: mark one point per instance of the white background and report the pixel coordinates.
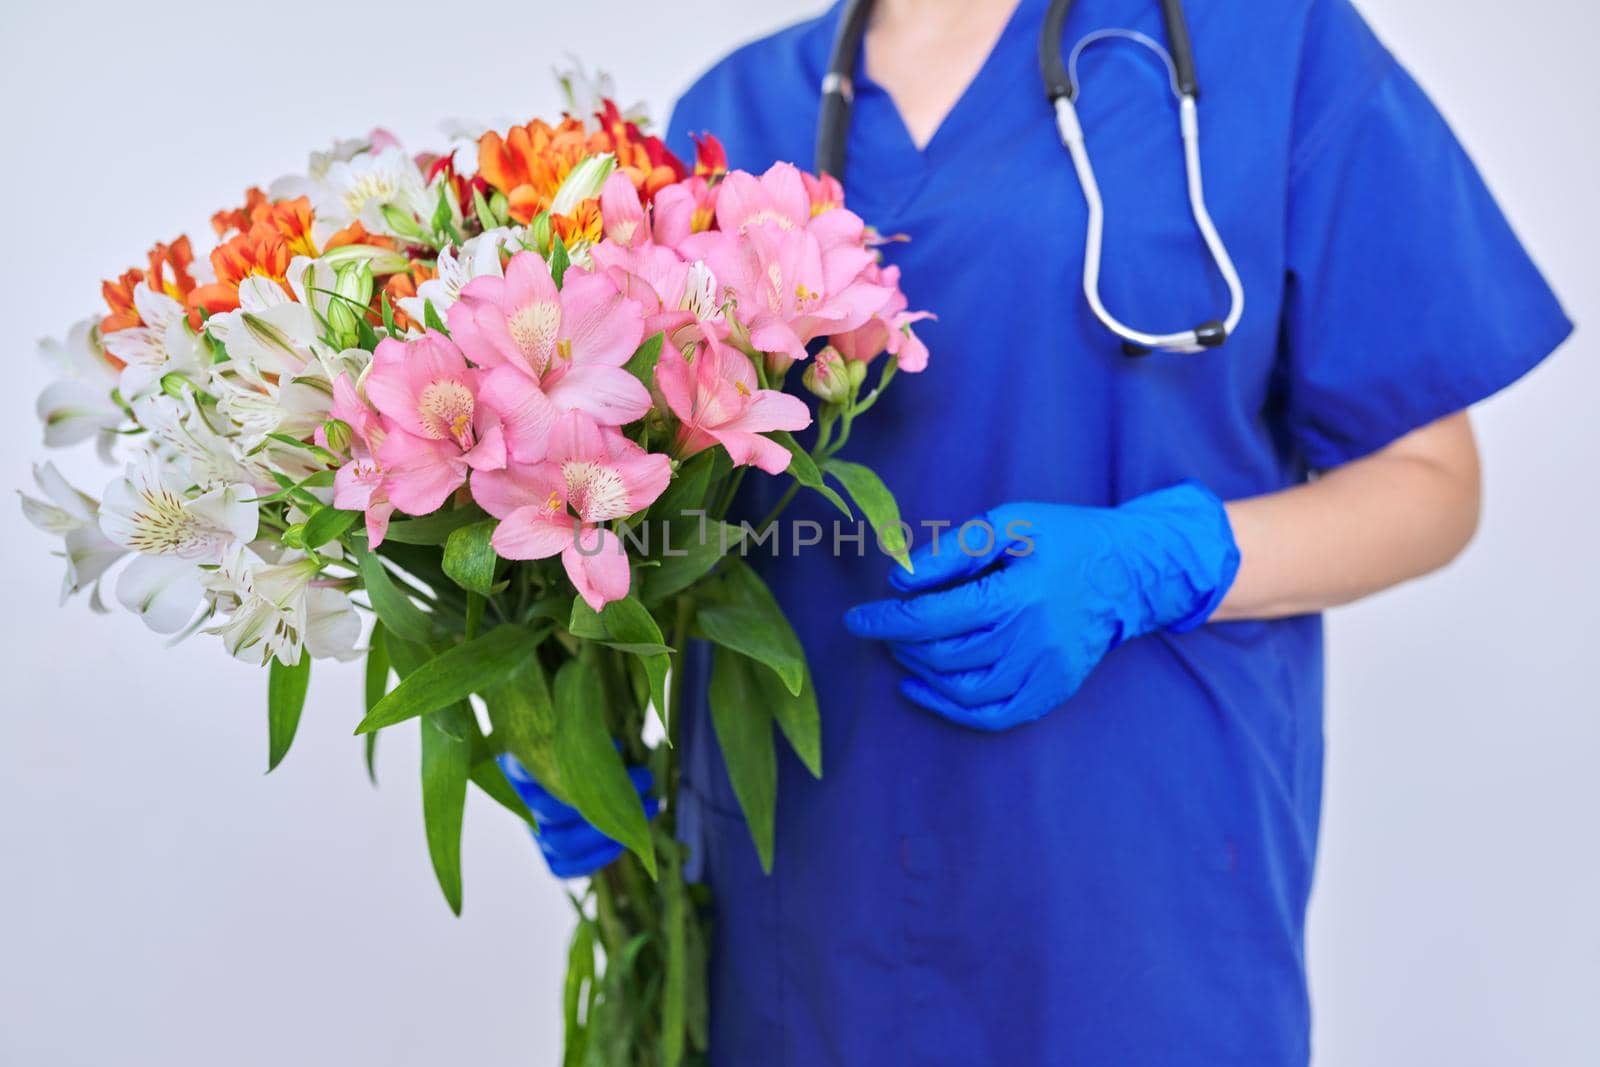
(161, 901)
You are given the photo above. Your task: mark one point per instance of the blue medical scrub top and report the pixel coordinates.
(1123, 882)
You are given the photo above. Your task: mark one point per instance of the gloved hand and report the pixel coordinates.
(572, 847)
(1056, 587)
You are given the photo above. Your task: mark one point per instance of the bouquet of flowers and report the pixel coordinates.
(479, 416)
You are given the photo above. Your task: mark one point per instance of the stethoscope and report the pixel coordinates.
(1061, 85)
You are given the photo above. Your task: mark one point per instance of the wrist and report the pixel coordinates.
(1195, 555)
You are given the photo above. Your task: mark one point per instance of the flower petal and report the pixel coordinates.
(602, 327)
(534, 532)
(598, 566)
(611, 395)
(162, 590)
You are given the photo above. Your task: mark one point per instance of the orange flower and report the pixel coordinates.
(175, 258)
(530, 162)
(119, 298)
(261, 251)
(582, 224)
(167, 272)
(267, 235)
(645, 159)
(239, 219)
(404, 285)
(710, 160)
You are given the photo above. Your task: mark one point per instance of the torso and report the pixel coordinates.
(1034, 897)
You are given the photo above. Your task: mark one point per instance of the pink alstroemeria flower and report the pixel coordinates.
(591, 475)
(778, 197)
(358, 484)
(436, 426)
(683, 209)
(889, 329)
(572, 342)
(678, 297)
(718, 401)
(621, 213)
(788, 288)
(824, 192)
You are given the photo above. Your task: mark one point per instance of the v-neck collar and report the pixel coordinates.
(885, 165)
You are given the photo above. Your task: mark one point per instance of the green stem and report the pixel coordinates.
(730, 490)
(777, 509)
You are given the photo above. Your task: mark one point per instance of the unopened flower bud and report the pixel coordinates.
(857, 370)
(338, 434)
(827, 378)
(539, 232)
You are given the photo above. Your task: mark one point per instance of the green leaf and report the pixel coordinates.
(591, 770)
(443, 218)
(486, 776)
(743, 724)
(431, 319)
(452, 676)
(401, 221)
(481, 208)
(627, 625)
(797, 717)
(684, 550)
(433, 529)
(580, 974)
(744, 616)
(469, 559)
(297, 490)
(388, 312)
(289, 441)
(327, 524)
(876, 503)
(286, 698)
(377, 684)
(804, 470)
(446, 765)
(690, 487)
(398, 613)
(642, 364)
(523, 716)
(559, 260)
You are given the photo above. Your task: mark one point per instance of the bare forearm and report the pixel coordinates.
(1371, 524)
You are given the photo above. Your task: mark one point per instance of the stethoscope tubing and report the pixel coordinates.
(1062, 88)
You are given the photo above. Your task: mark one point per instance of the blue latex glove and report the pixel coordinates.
(998, 637)
(572, 847)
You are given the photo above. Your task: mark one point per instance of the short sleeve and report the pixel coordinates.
(1408, 295)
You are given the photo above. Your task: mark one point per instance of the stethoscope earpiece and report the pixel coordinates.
(1062, 88)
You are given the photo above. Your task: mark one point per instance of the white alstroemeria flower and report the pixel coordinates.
(152, 510)
(207, 441)
(358, 190)
(80, 404)
(276, 609)
(163, 345)
(479, 256)
(462, 145)
(700, 293)
(74, 517)
(345, 149)
(269, 336)
(587, 94)
(295, 406)
(276, 378)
